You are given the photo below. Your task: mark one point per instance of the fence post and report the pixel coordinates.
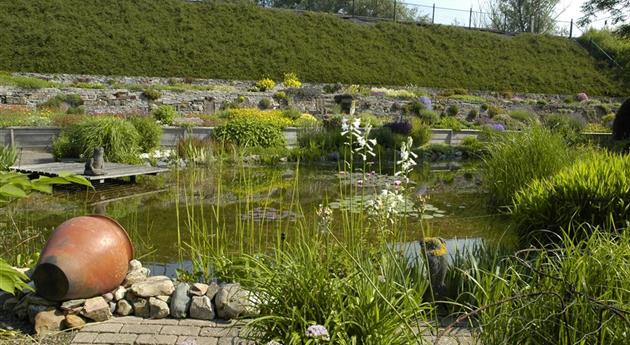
(395, 1)
(470, 19)
(433, 15)
(571, 29)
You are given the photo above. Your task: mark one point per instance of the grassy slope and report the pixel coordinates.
(175, 38)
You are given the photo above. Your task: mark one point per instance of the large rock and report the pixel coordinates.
(34, 309)
(154, 286)
(134, 277)
(141, 307)
(48, 322)
(213, 288)
(74, 322)
(124, 308)
(119, 293)
(201, 308)
(97, 309)
(198, 289)
(180, 301)
(73, 306)
(158, 309)
(232, 301)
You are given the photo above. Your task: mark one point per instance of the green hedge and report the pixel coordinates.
(211, 40)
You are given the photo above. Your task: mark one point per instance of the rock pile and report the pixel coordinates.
(140, 294)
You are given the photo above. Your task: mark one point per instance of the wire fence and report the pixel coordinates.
(400, 11)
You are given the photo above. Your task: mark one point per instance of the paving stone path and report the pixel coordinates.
(132, 330)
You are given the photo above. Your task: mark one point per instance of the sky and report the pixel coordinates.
(568, 9)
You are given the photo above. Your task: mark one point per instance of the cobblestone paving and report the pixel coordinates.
(131, 330)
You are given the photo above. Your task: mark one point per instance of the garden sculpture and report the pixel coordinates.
(95, 166)
(437, 262)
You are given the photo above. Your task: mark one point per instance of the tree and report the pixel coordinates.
(366, 8)
(617, 11)
(523, 15)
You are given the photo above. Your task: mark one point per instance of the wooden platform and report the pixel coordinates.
(113, 170)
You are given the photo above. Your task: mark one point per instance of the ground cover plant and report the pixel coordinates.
(344, 52)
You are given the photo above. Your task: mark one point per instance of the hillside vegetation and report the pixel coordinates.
(211, 40)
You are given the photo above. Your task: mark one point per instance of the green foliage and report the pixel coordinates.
(249, 43)
(472, 115)
(73, 101)
(493, 111)
(386, 138)
(574, 292)
(24, 82)
(292, 113)
(567, 125)
(516, 159)
(414, 108)
(265, 84)
(150, 132)
(429, 116)
(195, 150)
(523, 116)
(166, 114)
(248, 132)
(320, 140)
(594, 190)
(15, 186)
(451, 123)
(11, 279)
(359, 298)
(291, 80)
(420, 132)
(152, 94)
(452, 110)
(118, 137)
(8, 156)
(264, 104)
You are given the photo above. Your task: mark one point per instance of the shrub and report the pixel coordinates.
(264, 104)
(265, 84)
(194, 150)
(429, 116)
(291, 80)
(451, 123)
(118, 137)
(594, 190)
(65, 120)
(306, 120)
(371, 119)
(8, 156)
(332, 88)
(248, 132)
(400, 127)
(332, 122)
(567, 125)
(621, 124)
(280, 95)
(420, 132)
(150, 132)
(523, 116)
(493, 111)
(292, 113)
(386, 138)
(323, 140)
(515, 159)
(472, 115)
(273, 117)
(484, 107)
(165, 114)
(73, 101)
(151, 94)
(414, 108)
(608, 119)
(452, 110)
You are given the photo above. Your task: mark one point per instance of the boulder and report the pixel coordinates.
(201, 308)
(48, 322)
(158, 309)
(97, 309)
(119, 293)
(232, 301)
(154, 286)
(213, 288)
(74, 322)
(141, 308)
(198, 289)
(134, 277)
(180, 301)
(108, 296)
(124, 308)
(34, 309)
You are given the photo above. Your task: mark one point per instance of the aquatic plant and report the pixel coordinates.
(593, 190)
(516, 159)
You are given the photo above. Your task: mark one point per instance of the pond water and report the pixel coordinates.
(251, 207)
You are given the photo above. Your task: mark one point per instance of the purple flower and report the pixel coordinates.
(498, 127)
(317, 331)
(427, 102)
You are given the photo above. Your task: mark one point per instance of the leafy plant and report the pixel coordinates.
(264, 104)
(8, 156)
(12, 279)
(151, 94)
(516, 159)
(150, 133)
(594, 190)
(249, 132)
(291, 80)
(265, 84)
(166, 114)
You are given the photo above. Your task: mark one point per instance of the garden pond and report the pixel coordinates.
(250, 208)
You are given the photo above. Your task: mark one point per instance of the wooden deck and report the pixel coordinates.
(112, 170)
